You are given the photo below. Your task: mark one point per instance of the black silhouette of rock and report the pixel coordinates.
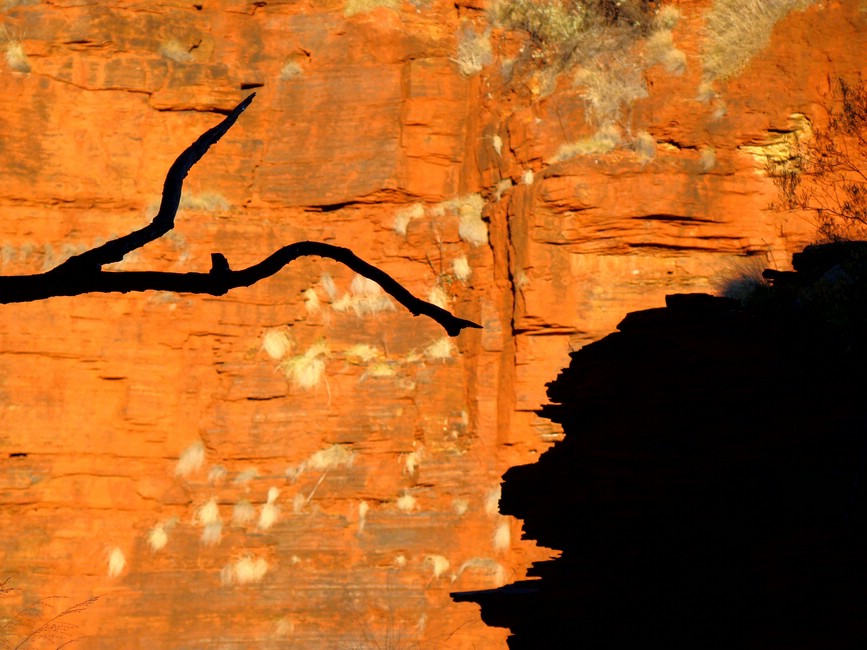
(710, 491)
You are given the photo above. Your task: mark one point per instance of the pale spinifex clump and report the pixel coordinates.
(116, 562)
(276, 343)
(461, 268)
(440, 350)
(270, 510)
(438, 564)
(502, 537)
(246, 570)
(407, 215)
(191, 459)
(331, 457)
(735, 31)
(16, 57)
(406, 502)
(486, 566)
(474, 51)
(243, 513)
(353, 7)
(365, 297)
(468, 208)
(306, 370)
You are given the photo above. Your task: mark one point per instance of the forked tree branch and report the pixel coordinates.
(84, 274)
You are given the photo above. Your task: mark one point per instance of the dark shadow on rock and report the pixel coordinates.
(710, 491)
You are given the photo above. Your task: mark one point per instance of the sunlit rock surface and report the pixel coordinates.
(301, 463)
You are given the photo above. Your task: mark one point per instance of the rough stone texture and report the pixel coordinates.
(359, 122)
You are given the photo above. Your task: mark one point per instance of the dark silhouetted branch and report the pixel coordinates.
(84, 274)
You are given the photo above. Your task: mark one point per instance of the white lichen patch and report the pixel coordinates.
(405, 216)
(276, 343)
(191, 459)
(243, 513)
(305, 371)
(502, 537)
(331, 458)
(461, 268)
(438, 564)
(440, 350)
(365, 297)
(247, 569)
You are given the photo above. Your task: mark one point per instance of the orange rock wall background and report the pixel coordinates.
(301, 463)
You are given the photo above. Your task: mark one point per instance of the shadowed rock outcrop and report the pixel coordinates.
(710, 489)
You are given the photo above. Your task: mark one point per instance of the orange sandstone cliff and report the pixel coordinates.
(301, 463)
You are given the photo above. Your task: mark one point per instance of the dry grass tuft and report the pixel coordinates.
(191, 459)
(644, 146)
(605, 140)
(16, 57)
(311, 301)
(158, 537)
(609, 86)
(440, 350)
(406, 502)
(305, 370)
(290, 70)
(707, 159)
(735, 31)
(660, 50)
(438, 565)
(363, 353)
(209, 513)
(492, 501)
(246, 570)
(460, 506)
(116, 562)
(353, 7)
(438, 296)
(502, 537)
(204, 202)
(176, 52)
(461, 268)
(365, 297)
(474, 52)
(276, 343)
(243, 513)
(405, 216)
(331, 458)
(486, 566)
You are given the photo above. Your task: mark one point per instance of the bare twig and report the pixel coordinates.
(84, 274)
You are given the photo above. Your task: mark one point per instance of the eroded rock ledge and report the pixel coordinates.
(710, 490)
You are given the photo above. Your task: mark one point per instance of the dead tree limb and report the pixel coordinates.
(84, 273)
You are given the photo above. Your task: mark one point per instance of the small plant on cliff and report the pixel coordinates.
(827, 174)
(35, 622)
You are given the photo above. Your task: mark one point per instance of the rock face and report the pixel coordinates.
(300, 463)
(709, 489)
